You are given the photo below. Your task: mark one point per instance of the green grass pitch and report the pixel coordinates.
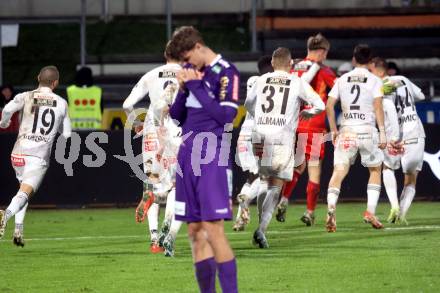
(104, 250)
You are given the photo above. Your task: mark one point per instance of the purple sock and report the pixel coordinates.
(205, 274)
(227, 273)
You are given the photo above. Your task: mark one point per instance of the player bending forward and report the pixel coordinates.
(403, 93)
(275, 103)
(161, 138)
(254, 185)
(205, 107)
(43, 113)
(360, 93)
(310, 132)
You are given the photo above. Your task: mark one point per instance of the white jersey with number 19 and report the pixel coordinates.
(43, 114)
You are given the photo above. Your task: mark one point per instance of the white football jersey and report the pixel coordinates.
(357, 90)
(43, 114)
(404, 99)
(275, 99)
(161, 85)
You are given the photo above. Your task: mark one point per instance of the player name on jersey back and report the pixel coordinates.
(167, 74)
(278, 81)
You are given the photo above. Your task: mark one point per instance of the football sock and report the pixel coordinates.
(169, 208)
(17, 203)
(227, 274)
(262, 191)
(153, 218)
(175, 227)
(373, 193)
(312, 195)
(205, 274)
(332, 198)
(406, 199)
(269, 205)
(290, 186)
(389, 181)
(19, 218)
(245, 189)
(253, 192)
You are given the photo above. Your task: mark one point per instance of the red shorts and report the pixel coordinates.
(313, 144)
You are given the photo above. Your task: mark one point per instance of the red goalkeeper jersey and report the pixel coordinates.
(321, 83)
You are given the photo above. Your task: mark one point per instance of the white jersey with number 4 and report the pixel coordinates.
(275, 99)
(43, 114)
(357, 90)
(404, 99)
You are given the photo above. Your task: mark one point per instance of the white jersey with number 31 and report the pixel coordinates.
(43, 114)
(357, 90)
(277, 102)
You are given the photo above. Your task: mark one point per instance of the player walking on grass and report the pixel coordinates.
(205, 107)
(321, 78)
(403, 94)
(43, 114)
(360, 93)
(254, 185)
(275, 103)
(160, 141)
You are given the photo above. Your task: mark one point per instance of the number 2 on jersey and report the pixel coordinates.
(270, 91)
(355, 89)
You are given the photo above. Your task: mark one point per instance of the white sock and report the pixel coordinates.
(332, 198)
(175, 227)
(169, 208)
(245, 189)
(269, 205)
(153, 219)
(406, 199)
(17, 203)
(284, 200)
(373, 193)
(19, 219)
(238, 212)
(262, 191)
(253, 192)
(389, 180)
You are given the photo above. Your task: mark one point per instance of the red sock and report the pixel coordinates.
(312, 195)
(290, 186)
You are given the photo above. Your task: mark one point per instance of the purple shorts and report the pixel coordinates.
(203, 190)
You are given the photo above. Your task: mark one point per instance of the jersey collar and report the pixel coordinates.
(44, 89)
(216, 59)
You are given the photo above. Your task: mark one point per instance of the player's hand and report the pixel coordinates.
(395, 148)
(5, 124)
(192, 74)
(334, 136)
(382, 140)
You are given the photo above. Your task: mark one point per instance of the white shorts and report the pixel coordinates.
(412, 158)
(276, 160)
(245, 152)
(390, 160)
(29, 170)
(363, 140)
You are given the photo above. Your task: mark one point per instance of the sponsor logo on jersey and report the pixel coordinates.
(278, 80)
(224, 81)
(216, 69)
(18, 161)
(36, 138)
(356, 78)
(44, 101)
(167, 74)
(271, 121)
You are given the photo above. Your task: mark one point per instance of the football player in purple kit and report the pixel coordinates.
(205, 108)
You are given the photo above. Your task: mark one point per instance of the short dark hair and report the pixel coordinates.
(170, 52)
(281, 57)
(317, 42)
(379, 63)
(48, 75)
(362, 54)
(264, 64)
(184, 39)
(393, 65)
